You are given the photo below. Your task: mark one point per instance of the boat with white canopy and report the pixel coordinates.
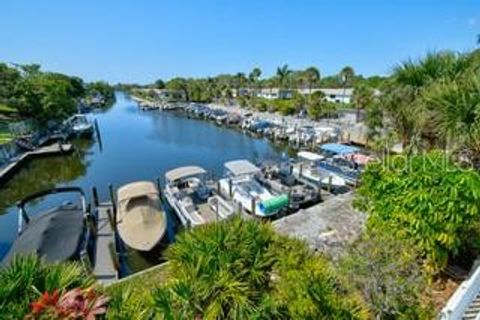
(308, 167)
(192, 200)
(241, 185)
(141, 221)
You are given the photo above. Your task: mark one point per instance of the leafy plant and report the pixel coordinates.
(241, 269)
(426, 198)
(23, 280)
(73, 304)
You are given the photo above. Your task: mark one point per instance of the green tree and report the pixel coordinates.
(159, 84)
(283, 76)
(456, 105)
(45, 96)
(363, 97)
(253, 78)
(425, 198)
(347, 75)
(312, 76)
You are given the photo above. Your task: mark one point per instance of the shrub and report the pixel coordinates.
(26, 278)
(242, 269)
(426, 198)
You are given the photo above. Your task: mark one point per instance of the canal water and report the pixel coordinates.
(135, 145)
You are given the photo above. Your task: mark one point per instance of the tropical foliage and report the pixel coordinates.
(242, 270)
(45, 96)
(434, 103)
(386, 272)
(425, 198)
(26, 278)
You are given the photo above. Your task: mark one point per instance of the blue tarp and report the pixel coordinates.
(337, 148)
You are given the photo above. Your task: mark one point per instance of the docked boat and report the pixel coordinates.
(192, 200)
(241, 185)
(62, 233)
(309, 166)
(141, 220)
(79, 125)
(279, 179)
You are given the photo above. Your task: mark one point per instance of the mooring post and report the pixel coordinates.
(95, 196)
(253, 209)
(114, 205)
(300, 170)
(330, 178)
(230, 188)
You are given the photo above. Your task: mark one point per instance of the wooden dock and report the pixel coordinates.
(105, 269)
(56, 148)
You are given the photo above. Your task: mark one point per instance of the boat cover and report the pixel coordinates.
(241, 167)
(310, 156)
(184, 172)
(274, 204)
(56, 236)
(337, 148)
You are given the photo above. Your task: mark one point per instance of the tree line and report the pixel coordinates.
(47, 96)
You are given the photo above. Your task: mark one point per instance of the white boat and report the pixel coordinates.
(241, 185)
(192, 199)
(79, 125)
(141, 221)
(308, 167)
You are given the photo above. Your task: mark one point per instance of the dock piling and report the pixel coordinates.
(95, 196)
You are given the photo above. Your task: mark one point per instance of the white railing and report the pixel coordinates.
(462, 298)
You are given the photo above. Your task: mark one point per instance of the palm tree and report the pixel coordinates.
(312, 76)
(254, 76)
(457, 114)
(362, 97)
(283, 75)
(347, 75)
(240, 81)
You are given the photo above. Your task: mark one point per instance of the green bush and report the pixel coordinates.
(26, 278)
(242, 269)
(426, 198)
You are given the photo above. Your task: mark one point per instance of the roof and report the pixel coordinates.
(337, 148)
(241, 167)
(136, 189)
(55, 235)
(183, 172)
(310, 156)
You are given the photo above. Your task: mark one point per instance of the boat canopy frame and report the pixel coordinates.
(241, 167)
(184, 172)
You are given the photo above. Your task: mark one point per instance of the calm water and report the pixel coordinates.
(136, 145)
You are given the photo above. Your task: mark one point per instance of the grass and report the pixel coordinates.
(143, 282)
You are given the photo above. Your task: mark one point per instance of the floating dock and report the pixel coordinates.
(105, 269)
(10, 168)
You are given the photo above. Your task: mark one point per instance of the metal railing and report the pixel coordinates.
(462, 298)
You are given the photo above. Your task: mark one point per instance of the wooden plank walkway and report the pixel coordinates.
(56, 148)
(105, 270)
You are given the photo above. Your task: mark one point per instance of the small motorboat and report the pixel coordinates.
(79, 125)
(60, 234)
(141, 221)
(189, 196)
(241, 185)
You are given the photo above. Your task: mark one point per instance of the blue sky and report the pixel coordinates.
(142, 40)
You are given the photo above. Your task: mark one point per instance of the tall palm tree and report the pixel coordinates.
(347, 75)
(312, 75)
(254, 76)
(457, 114)
(362, 97)
(283, 75)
